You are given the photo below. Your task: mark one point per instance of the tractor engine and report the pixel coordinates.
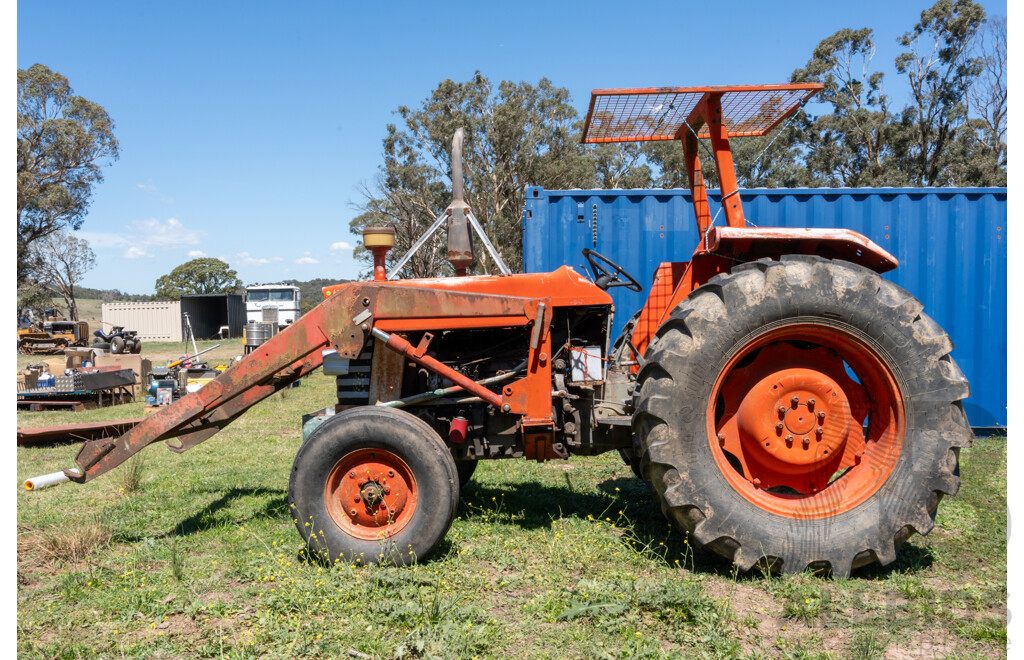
(474, 429)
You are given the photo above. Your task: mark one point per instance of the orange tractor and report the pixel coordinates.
(788, 406)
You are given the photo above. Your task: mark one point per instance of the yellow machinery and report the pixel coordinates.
(53, 337)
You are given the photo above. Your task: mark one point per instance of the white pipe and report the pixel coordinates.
(51, 479)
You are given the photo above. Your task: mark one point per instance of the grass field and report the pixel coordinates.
(164, 352)
(90, 310)
(196, 556)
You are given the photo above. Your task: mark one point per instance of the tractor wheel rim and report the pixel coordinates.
(370, 494)
(794, 433)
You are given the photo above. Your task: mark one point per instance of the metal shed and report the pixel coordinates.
(154, 321)
(210, 311)
(951, 244)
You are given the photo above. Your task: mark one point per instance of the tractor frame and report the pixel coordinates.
(502, 366)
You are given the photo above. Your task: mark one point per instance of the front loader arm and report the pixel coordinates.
(343, 322)
(197, 416)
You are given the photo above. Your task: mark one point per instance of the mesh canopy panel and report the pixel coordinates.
(642, 115)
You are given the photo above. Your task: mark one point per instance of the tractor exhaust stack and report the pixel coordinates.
(460, 235)
(460, 222)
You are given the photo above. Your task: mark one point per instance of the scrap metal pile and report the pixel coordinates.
(75, 389)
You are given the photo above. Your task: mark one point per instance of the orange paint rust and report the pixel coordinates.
(564, 286)
(530, 396)
(451, 323)
(750, 243)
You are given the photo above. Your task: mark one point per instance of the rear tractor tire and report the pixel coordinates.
(802, 413)
(373, 485)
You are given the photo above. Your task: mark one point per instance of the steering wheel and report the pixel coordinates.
(606, 272)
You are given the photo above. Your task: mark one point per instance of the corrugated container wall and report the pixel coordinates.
(951, 244)
(154, 321)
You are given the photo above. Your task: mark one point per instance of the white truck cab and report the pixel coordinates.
(269, 303)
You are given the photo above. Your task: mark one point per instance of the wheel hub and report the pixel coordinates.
(792, 417)
(795, 418)
(371, 493)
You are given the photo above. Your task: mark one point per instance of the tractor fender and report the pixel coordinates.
(752, 243)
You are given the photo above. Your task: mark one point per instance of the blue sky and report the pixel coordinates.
(246, 128)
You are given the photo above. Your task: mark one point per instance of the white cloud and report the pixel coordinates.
(151, 188)
(307, 258)
(135, 252)
(341, 245)
(102, 239)
(167, 234)
(246, 259)
(196, 254)
(142, 237)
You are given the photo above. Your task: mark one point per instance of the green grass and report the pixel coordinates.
(564, 559)
(164, 352)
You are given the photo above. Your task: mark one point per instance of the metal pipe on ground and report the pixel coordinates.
(52, 479)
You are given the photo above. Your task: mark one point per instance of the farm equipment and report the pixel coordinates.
(52, 336)
(118, 340)
(788, 407)
(182, 375)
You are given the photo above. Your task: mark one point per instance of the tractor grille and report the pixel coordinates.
(354, 387)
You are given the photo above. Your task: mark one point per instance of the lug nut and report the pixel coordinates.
(351, 475)
(387, 489)
(782, 410)
(353, 513)
(795, 400)
(819, 431)
(721, 438)
(821, 414)
(391, 473)
(789, 439)
(757, 483)
(357, 499)
(779, 426)
(807, 442)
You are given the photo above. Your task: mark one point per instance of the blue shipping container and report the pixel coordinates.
(950, 242)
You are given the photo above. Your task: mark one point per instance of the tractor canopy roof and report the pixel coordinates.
(668, 113)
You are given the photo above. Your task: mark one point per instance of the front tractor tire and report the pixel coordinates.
(801, 413)
(373, 485)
